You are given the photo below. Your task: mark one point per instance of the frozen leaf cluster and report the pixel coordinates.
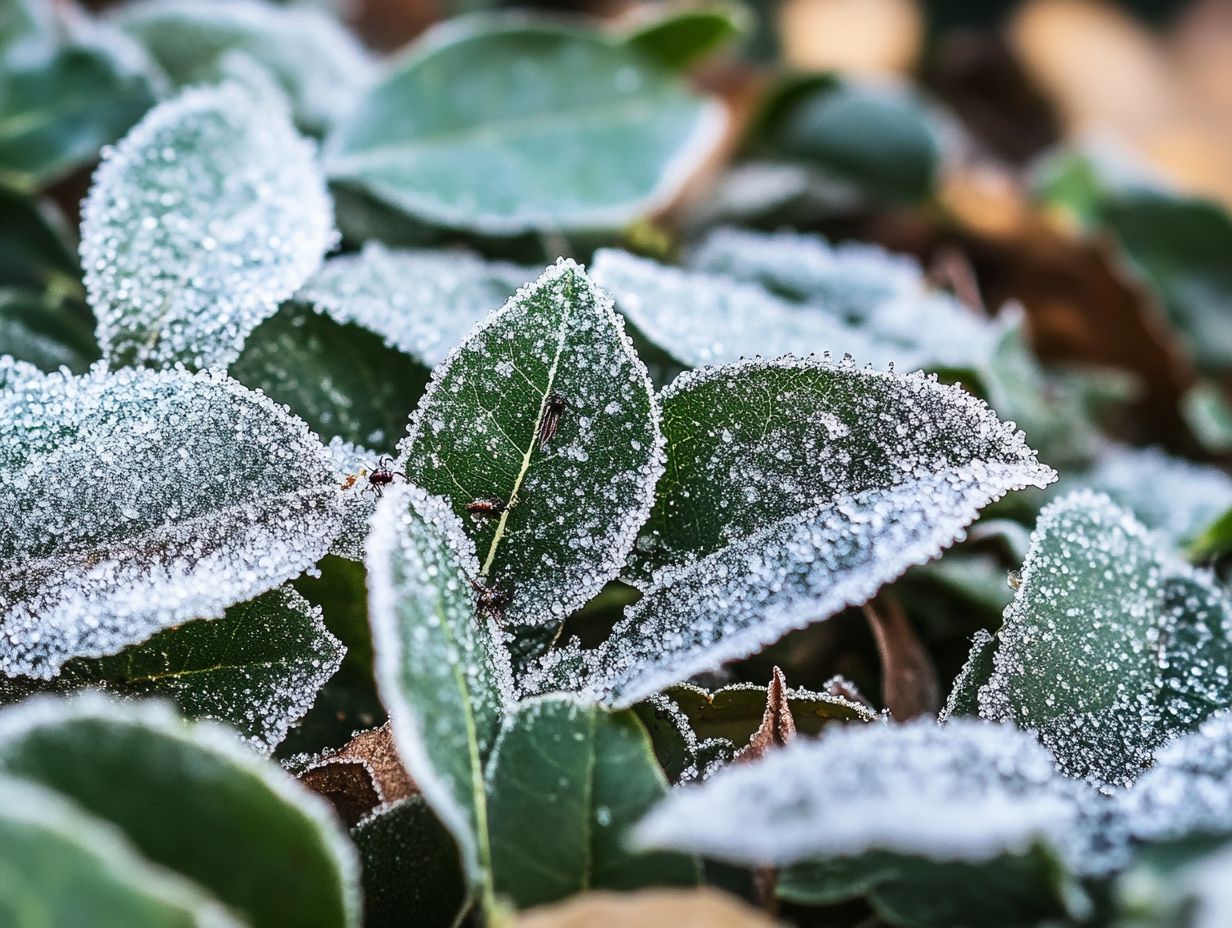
(793, 488)
(138, 500)
(1112, 645)
(421, 302)
(546, 410)
(207, 214)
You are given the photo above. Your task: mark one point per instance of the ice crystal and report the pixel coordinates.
(443, 671)
(313, 59)
(1112, 644)
(206, 215)
(574, 503)
(421, 302)
(965, 791)
(15, 374)
(351, 465)
(137, 500)
(794, 488)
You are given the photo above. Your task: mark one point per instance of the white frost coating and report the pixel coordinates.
(965, 791)
(1189, 789)
(1112, 645)
(703, 318)
(579, 501)
(421, 302)
(137, 500)
(26, 804)
(15, 374)
(210, 738)
(442, 671)
(884, 295)
(311, 56)
(350, 461)
(205, 216)
(835, 494)
(1169, 494)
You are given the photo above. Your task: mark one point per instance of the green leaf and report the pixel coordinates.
(964, 698)
(879, 141)
(193, 800)
(573, 504)
(318, 64)
(47, 332)
(516, 142)
(1214, 540)
(138, 500)
(794, 488)
(917, 815)
(62, 869)
(578, 778)
(679, 35)
(1180, 246)
(37, 248)
(207, 215)
(341, 379)
(1112, 645)
(1208, 413)
(422, 302)
(258, 668)
(63, 98)
(442, 671)
(411, 871)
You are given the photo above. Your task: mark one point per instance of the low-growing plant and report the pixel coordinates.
(420, 510)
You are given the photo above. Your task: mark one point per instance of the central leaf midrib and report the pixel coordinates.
(527, 453)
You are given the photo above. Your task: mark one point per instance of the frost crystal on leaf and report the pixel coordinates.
(421, 302)
(15, 374)
(965, 791)
(206, 215)
(793, 488)
(137, 500)
(442, 670)
(318, 64)
(1112, 644)
(350, 464)
(573, 502)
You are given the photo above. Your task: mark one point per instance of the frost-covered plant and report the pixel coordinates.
(349, 575)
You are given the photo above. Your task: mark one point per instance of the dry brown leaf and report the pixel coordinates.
(908, 677)
(654, 908)
(854, 36)
(777, 725)
(364, 773)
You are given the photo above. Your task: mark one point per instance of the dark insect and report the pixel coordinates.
(553, 406)
(490, 601)
(485, 508)
(381, 475)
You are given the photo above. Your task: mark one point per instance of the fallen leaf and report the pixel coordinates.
(656, 908)
(364, 773)
(908, 677)
(777, 725)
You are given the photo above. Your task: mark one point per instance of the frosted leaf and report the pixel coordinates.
(964, 696)
(883, 295)
(257, 669)
(205, 216)
(1112, 644)
(794, 488)
(137, 500)
(708, 319)
(849, 280)
(966, 791)
(573, 503)
(421, 302)
(1169, 494)
(505, 139)
(443, 673)
(313, 58)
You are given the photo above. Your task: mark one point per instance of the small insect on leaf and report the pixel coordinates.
(553, 406)
(486, 508)
(381, 475)
(490, 601)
